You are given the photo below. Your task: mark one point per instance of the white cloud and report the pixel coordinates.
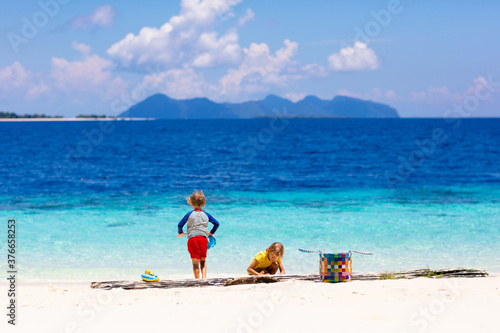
(18, 83)
(434, 95)
(13, 76)
(348, 93)
(249, 15)
(181, 83)
(357, 58)
(437, 96)
(390, 95)
(185, 39)
(84, 49)
(315, 70)
(81, 80)
(91, 74)
(260, 68)
(418, 97)
(483, 86)
(295, 97)
(217, 51)
(103, 16)
(259, 71)
(188, 43)
(435, 100)
(84, 75)
(443, 96)
(37, 91)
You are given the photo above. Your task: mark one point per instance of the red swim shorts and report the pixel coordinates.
(197, 247)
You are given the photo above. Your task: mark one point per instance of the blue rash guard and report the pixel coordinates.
(197, 221)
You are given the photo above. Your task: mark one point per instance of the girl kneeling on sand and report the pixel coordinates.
(268, 261)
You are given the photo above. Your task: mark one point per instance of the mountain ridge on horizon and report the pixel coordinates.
(161, 106)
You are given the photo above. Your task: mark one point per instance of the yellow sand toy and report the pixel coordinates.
(149, 276)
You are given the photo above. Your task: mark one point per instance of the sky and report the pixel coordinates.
(424, 58)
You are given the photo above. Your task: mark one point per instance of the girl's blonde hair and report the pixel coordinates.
(277, 248)
(197, 199)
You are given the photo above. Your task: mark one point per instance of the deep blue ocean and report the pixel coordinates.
(102, 199)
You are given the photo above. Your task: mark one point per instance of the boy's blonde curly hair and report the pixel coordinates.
(277, 248)
(197, 199)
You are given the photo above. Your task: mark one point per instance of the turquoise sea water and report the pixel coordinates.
(92, 237)
(107, 207)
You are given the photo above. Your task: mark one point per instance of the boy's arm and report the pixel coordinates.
(182, 222)
(214, 221)
(282, 269)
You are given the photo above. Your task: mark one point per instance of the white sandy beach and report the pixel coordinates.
(417, 305)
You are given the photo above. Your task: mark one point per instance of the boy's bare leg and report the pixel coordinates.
(203, 266)
(196, 268)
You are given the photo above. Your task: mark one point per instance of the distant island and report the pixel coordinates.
(92, 116)
(12, 115)
(160, 106)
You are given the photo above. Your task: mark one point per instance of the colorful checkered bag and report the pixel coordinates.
(335, 267)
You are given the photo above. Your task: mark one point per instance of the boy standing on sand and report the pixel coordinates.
(197, 232)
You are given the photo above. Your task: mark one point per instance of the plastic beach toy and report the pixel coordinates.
(149, 276)
(211, 242)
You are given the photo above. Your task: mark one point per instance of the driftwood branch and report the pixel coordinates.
(251, 280)
(201, 282)
(439, 273)
(430, 273)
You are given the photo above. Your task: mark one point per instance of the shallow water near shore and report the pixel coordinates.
(116, 238)
(318, 184)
